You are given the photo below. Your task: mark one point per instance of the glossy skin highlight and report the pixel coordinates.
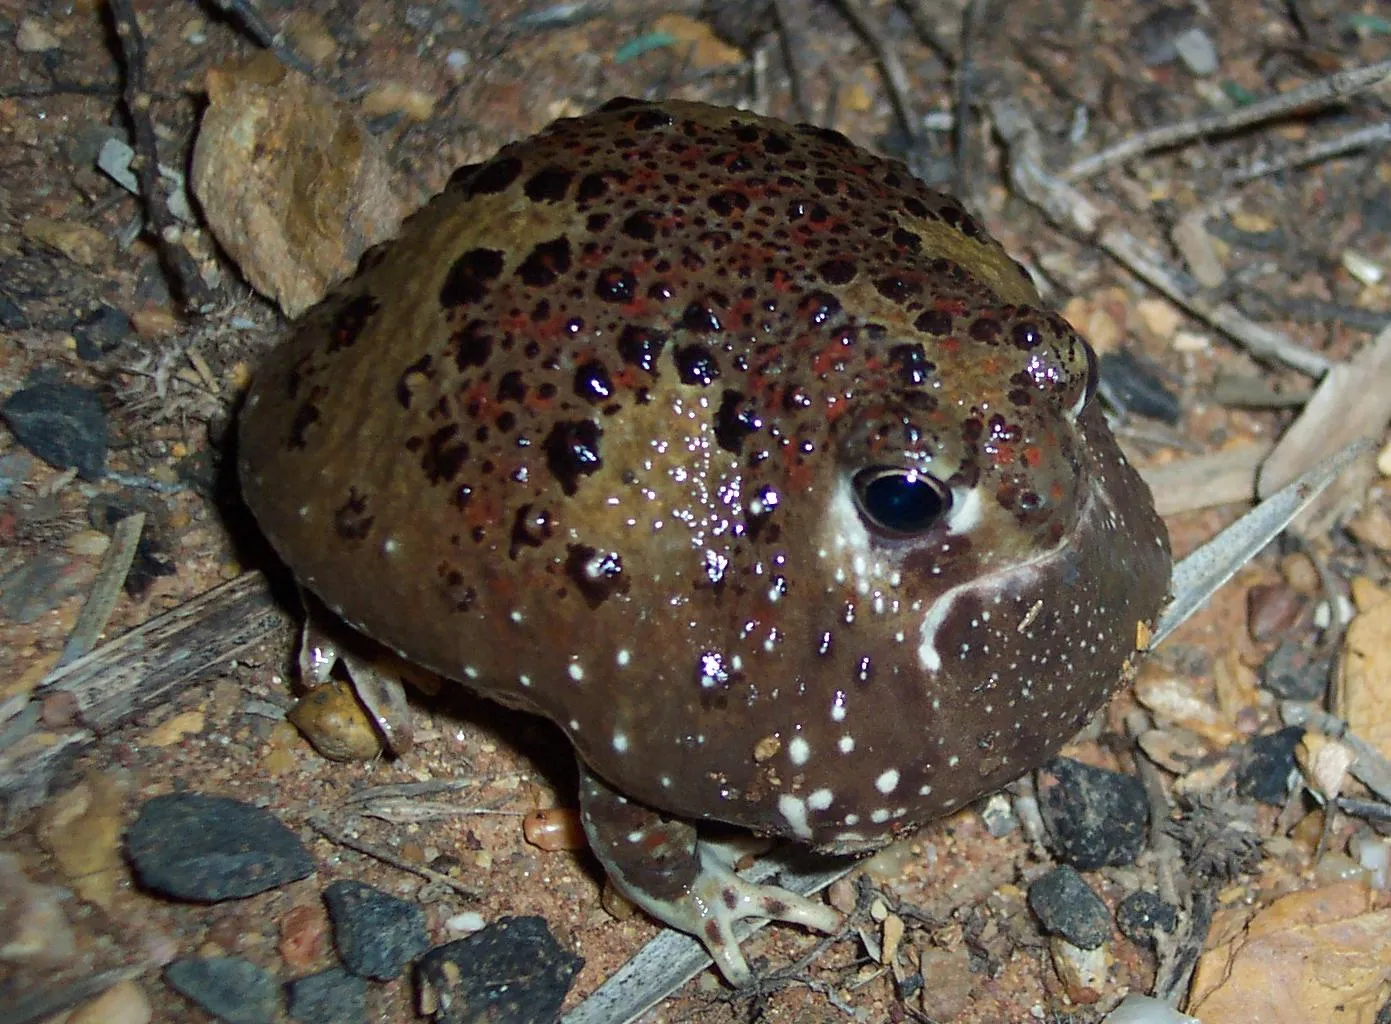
(599, 436)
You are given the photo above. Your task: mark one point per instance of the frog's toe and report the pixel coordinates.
(660, 865)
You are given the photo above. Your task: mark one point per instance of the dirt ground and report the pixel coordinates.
(1303, 251)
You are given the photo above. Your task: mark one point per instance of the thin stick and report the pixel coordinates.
(1065, 205)
(318, 824)
(895, 75)
(101, 602)
(1318, 93)
(167, 230)
(1373, 135)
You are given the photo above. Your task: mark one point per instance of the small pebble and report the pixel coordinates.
(511, 972)
(63, 424)
(377, 935)
(330, 997)
(1094, 817)
(230, 988)
(1266, 766)
(1142, 917)
(1195, 49)
(123, 1003)
(554, 828)
(35, 929)
(189, 846)
(465, 922)
(101, 331)
(1067, 906)
(1138, 1009)
(35, 37)
(1272, 609)
(1132, 384)
(303, 936)
(1294, 672)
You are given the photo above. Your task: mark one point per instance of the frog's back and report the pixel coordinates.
(573, 438)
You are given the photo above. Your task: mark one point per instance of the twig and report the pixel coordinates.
(101, 602)
(1316, 94)
(895, 75)
(964, 80)
(255, 25)
(167, 231)
(1369, 768)
(28, 1007)
(1373, 135)
(319, 825)
(1065, 205)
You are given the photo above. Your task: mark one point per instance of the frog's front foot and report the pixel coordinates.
(689, 884)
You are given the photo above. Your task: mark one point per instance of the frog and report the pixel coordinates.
(750, 461)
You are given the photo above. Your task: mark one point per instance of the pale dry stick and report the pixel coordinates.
(1066, 206)
(1326, 149)
(111, 577)
(1369, 768)
(1318, 93)
(895, 75)
(333, 835)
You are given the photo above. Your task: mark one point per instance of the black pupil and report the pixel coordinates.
(902, 502)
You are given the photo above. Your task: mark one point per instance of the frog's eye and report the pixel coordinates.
(899, 501)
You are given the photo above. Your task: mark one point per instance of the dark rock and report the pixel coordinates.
(101, 331)
(511, 972)
(228, 987)
(1133, 385)
(377, 935)
(1093, 816)
(330, 997)
(1266, 764)
(210, 848)
(12, 316)
(1294, 672)
(1066, 906)
(1142, 917)
(1155, 34)
(63, 424)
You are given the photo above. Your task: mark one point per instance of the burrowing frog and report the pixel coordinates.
(744, 457)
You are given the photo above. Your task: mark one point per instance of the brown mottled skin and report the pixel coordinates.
(589, 436)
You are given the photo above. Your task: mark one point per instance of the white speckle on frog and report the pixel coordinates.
(575, 671)
(470, 672)
(620, 742)
(846, 744)
(879, 815)
(887, 782)
(838, 707)
(798, 751)
(820, 799)
(924, 789)
(391, 546)
(624, 657)
(794, 811)
(524, 679)
(516, 617)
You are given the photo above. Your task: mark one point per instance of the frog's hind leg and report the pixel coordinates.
(661, 865)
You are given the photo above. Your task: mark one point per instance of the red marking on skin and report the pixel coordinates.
(795, 470)
(1032, 456)
(955, 307)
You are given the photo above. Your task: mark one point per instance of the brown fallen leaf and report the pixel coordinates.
(1319, 955)
(292, 184)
